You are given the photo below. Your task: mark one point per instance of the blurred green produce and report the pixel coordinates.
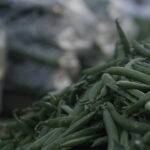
(49, 42)
(107, 108)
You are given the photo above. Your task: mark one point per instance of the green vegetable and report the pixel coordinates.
(78, 141)
(99, 141)
(108, 108)
(141, 50)
(123, 38)
(139, 104)
(124, 139)
(111, 129)
(129, 73)
(128, 124)
(133, 85)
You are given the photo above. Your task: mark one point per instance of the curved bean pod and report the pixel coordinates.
(128, 124)
(111, 130)
(139, 104)
(129, 73)
(133, 85)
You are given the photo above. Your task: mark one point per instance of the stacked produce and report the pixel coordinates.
(108, 108)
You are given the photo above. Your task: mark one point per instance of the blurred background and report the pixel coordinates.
(45, 44)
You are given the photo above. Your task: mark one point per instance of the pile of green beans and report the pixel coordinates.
(107, 109)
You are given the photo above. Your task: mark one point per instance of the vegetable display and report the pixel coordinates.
(107, 109)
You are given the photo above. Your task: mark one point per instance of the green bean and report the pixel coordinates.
(123, 38)
(139, 104)
(85, 97)
(95, 90)
(141, 68)
(146, 138)
(51, 98)
(58, 122)
(124, 139)
(79, 116)
(132, 62)
(100, 141)
(54, 136)
(78, 112)
(103, 91)
(133, 85)
(83, 132)
(47, 140)
(144, 64)
(67, 109)
(110, 82)
(119, 51)
(141, 50)
(52, 146)
(100, 68)
(133, 74)
(80, 123)
(38, 143)
(59, 109)
(73, 136)
(74, 139)
(147, 106)
(136, 93)
(128, 124)
(82, 115)
(79, 141)
(45, 104)
(111, 129)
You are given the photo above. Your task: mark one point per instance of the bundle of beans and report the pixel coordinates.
(108, 108)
